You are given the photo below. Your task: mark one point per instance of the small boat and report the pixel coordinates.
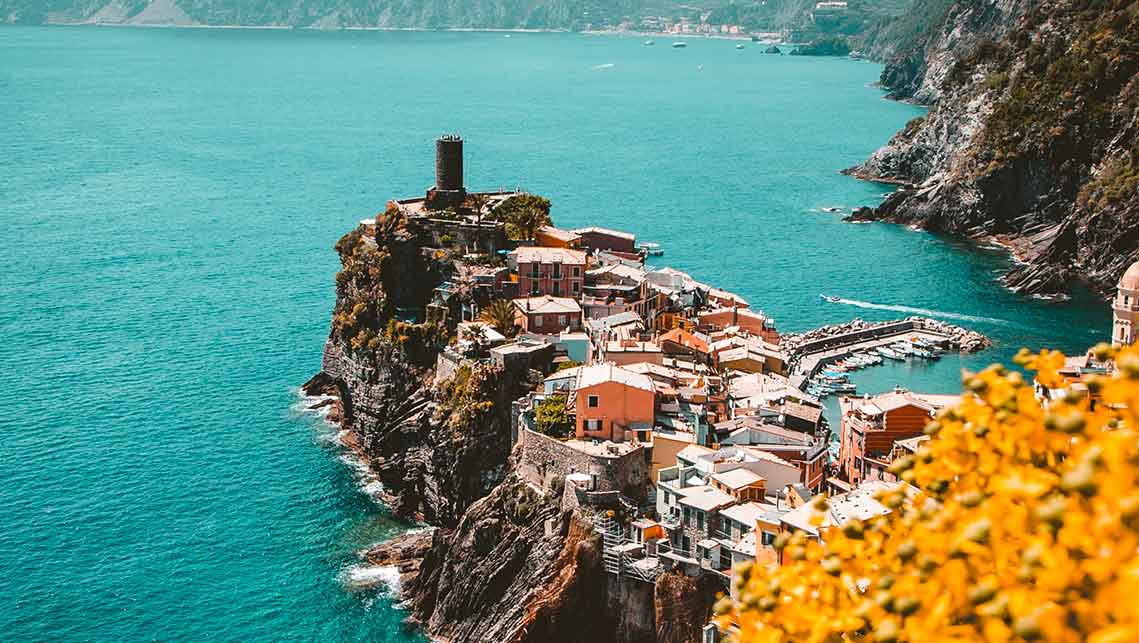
(903, 348)
(651, 249)
(831, 298)
(890, 354)
(679, 45)
(739, 46)
(923, 353)
(649, 43)
(755, 38)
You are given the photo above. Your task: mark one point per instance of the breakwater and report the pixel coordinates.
(808, 351)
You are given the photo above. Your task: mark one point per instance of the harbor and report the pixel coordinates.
(821, 359)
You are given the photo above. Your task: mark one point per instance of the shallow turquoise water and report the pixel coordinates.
(171, 198)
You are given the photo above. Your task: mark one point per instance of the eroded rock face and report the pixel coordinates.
(437, 446)
(517, 567)
(1032, 137)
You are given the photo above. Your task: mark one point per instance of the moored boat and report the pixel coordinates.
(651, 249)
(890, 353)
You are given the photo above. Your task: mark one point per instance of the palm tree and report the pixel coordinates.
(500, 315)
(527, 220)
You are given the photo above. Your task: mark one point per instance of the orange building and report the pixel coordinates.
(871, 425)
(547, 315)
(614, 404)
(551, 237)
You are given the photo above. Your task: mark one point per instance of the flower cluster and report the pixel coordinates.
(1019, 522)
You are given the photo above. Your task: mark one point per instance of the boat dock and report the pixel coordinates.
(810, 351)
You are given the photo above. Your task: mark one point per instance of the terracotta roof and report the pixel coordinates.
(558, 233)
(684, 338)
(537, 254)
(547, 305)
(603, 373)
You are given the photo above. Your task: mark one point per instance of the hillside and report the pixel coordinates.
(1032, 137)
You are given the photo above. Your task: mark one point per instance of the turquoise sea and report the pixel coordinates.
(170, 200)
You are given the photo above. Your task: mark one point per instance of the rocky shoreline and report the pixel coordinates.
(963, 339)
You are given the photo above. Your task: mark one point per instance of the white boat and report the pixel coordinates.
(890, 354)
(651, 249)
(649, 43)
(831, 298)
(739, 46)
(679, 45)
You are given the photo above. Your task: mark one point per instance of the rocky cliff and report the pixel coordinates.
(1032, 137)
(437, 446)
(526, 566)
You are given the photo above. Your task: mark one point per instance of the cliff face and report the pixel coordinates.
(1032, 137)
(526, 567)
(437, 446)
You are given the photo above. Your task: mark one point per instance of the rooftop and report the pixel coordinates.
(559, 234)
(538, 254)
(747, 513)
(547, 305)
(606, 231)
(604, 449)
(706, 498)
(737, 478)
(604, 373)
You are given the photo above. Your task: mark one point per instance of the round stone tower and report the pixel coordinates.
(448, 191)
(449, 163)
(1125, 308)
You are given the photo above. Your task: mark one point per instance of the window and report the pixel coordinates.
(561, 318)
(687, 517)
(768, 538)
(577, 271)
(592, 401)
(557, 271)
(538, 321)
(534, 290)
(576, 287)
(700, 520)
(685, 544)
(593, 425)
(557, 288)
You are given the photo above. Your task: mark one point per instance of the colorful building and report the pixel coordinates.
(547, 315)
(1125, 308)
(559, 272)
(614, 404)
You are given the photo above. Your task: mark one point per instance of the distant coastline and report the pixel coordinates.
(504, 30)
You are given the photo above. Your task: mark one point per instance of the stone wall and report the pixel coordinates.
(546, 457)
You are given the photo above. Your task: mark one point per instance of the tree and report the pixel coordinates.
(475, 339)
(1019, 523)
(523, 223)
(500, 315)
(551, 417)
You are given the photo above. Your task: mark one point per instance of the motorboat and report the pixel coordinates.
(831, 298)
(890, 353)
(679, 45)
(651, 249)
(649, 43)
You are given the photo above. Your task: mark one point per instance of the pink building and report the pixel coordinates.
(559, 272)
(547, 315)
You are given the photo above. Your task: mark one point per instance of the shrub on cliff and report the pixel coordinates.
(551, 417)
(523, 215)
(1021, 524)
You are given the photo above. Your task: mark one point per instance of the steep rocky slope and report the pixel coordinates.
(1032, 136)
(436, 446)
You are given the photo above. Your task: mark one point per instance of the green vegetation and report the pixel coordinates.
(832, 46)
(1117, 182)
(500, 315)
(1068, 79)
(551, 416)
(520, 502)
(469, 395)
(523, 215)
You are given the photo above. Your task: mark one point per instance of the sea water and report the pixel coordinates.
(170, 200)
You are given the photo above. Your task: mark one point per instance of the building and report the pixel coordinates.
(613, 404)
(624, 352)
(754, 323)
(595, 238)
(1125, 308)
(547, 315)
(559, 272)
(871, 425)
(551, 237)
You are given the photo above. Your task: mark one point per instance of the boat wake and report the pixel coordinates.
(916, 311)
(605, 66)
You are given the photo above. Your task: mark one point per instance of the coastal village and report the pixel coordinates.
(672, 412)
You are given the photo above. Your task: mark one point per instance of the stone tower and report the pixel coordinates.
(448, 191)
(1125, 308)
